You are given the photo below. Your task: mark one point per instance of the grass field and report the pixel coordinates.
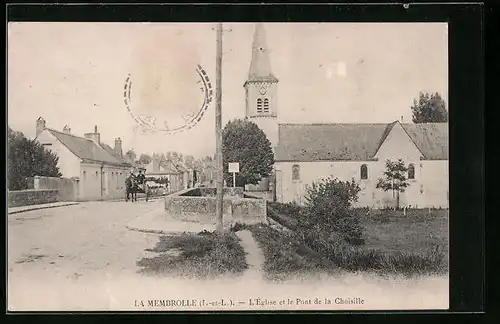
(418, 231)
(409, 245)
(203, 255)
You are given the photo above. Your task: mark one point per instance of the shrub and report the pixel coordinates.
(351, 229)
(291, 209)
(330, 199)
(329, 206)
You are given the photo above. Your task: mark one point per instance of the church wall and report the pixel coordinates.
(432, 177)
(435, 184)
(398, 145)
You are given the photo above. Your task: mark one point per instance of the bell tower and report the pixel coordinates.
(261, 88)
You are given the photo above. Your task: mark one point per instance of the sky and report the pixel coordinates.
(74, 74)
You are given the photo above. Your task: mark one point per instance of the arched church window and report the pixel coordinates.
(295, 172)
(411, 171)
(266, 105)
(259, 105)
(364, 172)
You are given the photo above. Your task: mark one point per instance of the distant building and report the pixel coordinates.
(166, 168)
(99, 169)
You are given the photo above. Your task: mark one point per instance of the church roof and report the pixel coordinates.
(430, 138)
(86, 149)
(354, 142)
(260, 66)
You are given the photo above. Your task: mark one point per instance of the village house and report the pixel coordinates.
(98, 169)
(165, 168)
(187, 173)
(306, 153)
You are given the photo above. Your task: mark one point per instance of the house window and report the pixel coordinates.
(411, 171)
(259, 105)
(84, 174)
(266, 105)
(364, 172)
(97, 173)
(295, 172)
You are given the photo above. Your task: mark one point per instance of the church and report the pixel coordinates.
(306, 153)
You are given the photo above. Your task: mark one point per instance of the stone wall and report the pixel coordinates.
(68, 188)
(212, 192)
(196, 209)
(188, 207)
(32, 197)
(249, 211)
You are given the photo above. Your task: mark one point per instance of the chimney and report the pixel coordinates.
(401, 119)
(40, 125)
(66, 129)
(118, 147)
(95, 136)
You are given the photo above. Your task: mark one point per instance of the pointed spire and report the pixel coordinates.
(260, 66)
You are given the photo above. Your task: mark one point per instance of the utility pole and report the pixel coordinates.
(218, 128)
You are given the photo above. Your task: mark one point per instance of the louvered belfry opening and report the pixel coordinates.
(259, 105)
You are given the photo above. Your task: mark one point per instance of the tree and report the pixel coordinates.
(244, 142)
(145, 159)
(394, 178)
(28, 158)
(131, 156)
(430, 108)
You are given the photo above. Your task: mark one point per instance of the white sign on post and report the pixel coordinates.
(234, 168)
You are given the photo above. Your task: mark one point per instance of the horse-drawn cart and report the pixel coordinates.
(144, 188)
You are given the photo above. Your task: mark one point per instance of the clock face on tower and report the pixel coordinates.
(263, 91)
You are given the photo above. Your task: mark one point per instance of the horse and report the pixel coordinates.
(144, 188)
(131, 188)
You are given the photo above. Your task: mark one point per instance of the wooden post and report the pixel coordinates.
(218, 127)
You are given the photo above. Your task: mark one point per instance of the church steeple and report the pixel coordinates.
(260, 66)
(261, 88)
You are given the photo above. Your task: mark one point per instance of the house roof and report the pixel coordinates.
(354, 142)
(112, 152)
(430, 138)
(161, 167)
(85, 148)
(180, 166)
(170, 167)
